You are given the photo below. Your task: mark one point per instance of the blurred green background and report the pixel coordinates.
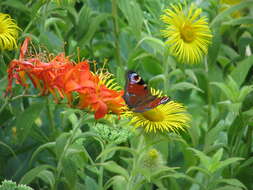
(50, 146)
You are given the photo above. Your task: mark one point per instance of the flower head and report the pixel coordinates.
(152, 159)
(64, 78)
(187, 33)
(104, 97)
(8, 32)
(171, 116)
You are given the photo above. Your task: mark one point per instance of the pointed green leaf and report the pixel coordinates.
(234, 182)
(26, 119)
(115, 168)
(33, 173)
(48, 177)
(240, 72)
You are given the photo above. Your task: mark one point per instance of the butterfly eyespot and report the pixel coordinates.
(137, 78)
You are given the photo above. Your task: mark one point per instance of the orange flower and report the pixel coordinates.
(102, 99)
(74, 79)
(93, 92)
(64, 78)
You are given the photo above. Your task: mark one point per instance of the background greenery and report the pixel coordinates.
(50, 146)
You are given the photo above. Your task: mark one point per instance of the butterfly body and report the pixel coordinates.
(137, 95)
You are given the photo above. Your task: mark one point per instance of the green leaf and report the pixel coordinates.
(204, 159)
(115, 168)
(108, 150)
(185, 86)
(244, 92)
(48, 177)
(217, 156)
(133, 13)
(192, 75)
(26, 119)
(61, 142)
(246, 163)
(51, 21)
(242, 20)
(228, 162)
(234, 182)
(212, 134)
(225, 89)
(84, 21)
(119, 182)
(215, 46)
(8, 148)
(93, 28)
(151, 65)
(17, 5)
(91, 183)
(48, 145)
(243, 44)
(227, 12)
(51, 40)
(230, 52)
(228, 187)
(33, 173)
(204, 171)
(70, 171)
(155, 43)
(240, 72)
(157, 80)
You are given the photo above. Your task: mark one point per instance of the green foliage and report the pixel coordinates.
(50, 146)
(10, 185)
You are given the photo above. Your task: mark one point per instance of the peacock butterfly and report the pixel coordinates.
(137, 95)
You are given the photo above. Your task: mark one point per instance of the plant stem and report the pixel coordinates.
(69, 142)
(101, 172)
(209, 98)
(165, 73)
(50, 116)
(6, 101)
(139, 149)
(249, 138)
(116, 33)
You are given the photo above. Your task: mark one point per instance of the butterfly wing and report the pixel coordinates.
(137, 95)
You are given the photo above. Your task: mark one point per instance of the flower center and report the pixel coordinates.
(153, 153)
(187, 33)
(154, 115)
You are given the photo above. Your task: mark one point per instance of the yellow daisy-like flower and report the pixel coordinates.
(228, 3)
(231, 2)
(8, 32)
(171, 116)
(188, 33)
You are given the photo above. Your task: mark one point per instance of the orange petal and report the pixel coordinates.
(24, 48)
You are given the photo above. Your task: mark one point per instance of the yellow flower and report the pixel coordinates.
(231, 2)
(8, 32)
(171, 116)
(225, 4)
(188, 34)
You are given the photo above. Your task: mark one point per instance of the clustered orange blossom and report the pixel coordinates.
(64, 78)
